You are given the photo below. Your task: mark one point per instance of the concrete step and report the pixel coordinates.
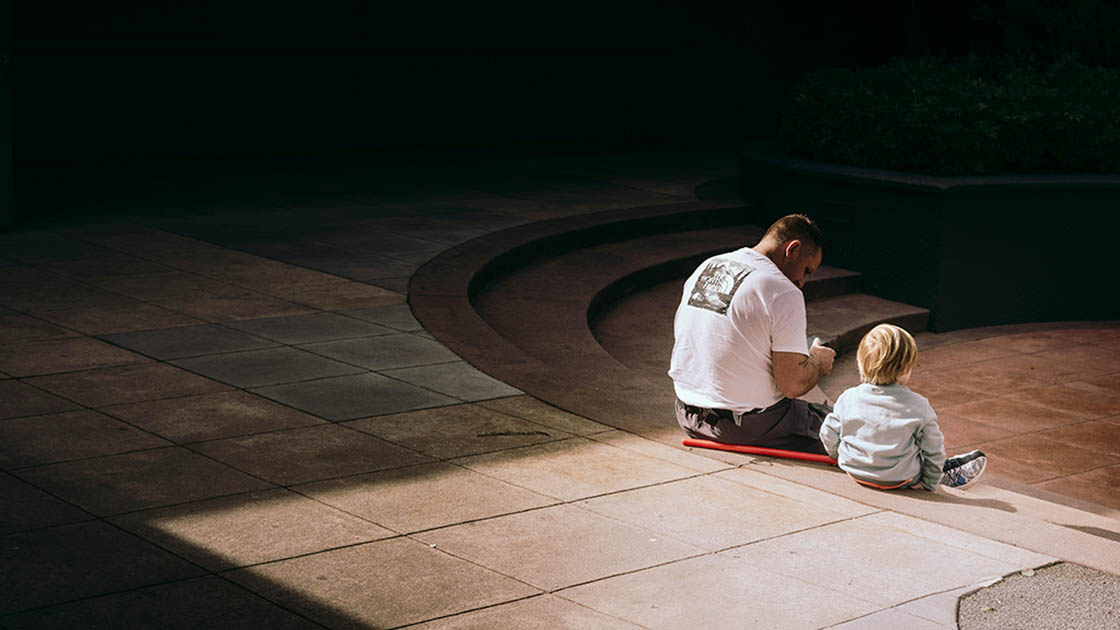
(828, 282)
(841, 320)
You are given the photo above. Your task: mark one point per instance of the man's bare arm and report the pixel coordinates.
(796, 373)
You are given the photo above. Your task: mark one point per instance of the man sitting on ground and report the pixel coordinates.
(740, 356)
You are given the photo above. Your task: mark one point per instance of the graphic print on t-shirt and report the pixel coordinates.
(717, 284)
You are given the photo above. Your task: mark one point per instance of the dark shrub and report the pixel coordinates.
(964, 117)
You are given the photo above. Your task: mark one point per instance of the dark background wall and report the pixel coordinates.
(179, 78)
(7, 214)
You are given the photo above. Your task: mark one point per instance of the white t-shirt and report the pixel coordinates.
(736, 309)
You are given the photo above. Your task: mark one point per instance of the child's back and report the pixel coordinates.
(885, 434)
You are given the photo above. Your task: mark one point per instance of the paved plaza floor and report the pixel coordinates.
(218, 410)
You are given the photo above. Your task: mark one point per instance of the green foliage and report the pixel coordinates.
(969, 116)
(1088, 28)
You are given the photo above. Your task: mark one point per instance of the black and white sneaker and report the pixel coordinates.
(962, 471)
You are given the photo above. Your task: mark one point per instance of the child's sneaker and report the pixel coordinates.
(962, 471)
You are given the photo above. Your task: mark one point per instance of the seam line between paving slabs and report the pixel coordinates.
(205, 573)
(558, 591)
(606, 428)
(364, 369)
(147, 302)
(233, 249)
(147, 360)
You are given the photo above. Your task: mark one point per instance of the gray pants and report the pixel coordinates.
(790, 424)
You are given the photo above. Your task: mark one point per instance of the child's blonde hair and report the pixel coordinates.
(885, 354)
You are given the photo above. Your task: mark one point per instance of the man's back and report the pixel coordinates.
(736, 309)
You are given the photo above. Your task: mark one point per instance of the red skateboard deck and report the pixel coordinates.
(759, 450)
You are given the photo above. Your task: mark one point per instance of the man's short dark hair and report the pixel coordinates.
(796, 226)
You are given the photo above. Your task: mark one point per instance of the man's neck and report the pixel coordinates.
(769, 249)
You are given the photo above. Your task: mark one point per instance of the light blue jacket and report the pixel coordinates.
(885, 434)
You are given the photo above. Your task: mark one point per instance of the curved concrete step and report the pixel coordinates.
(842, 320)
(580, 315)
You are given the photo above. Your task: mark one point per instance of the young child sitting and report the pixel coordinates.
(886, 436)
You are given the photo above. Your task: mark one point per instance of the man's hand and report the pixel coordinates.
(796, 373)
(823, 356)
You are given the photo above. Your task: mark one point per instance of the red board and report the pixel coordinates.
(759, 450)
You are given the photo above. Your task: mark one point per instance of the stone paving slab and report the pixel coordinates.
(423, 497)
(1042, 526)
(270, 366)
(125, 384)
(68, 562)
(534, 410)
(172, 283)
(721, 514)
(384, 352)
(69, 435)
(849, 557)
(122, 319)
(892, 618)
(16, 327)
(141, 480)
(207, 602)
(24, 507)
(948, 536)
(360, 267)
(351, 397)
(396, 284)
(939, 608)
(997, 412)
(190, 341)
(247, 529)
(656, 450)
(718, 592)
(109, 265)
(300, 455)
(530, 546)
(210, 416)
(1019, 458)
(54, 295)
(398, 246)
(535, 613)
(457, 430)
(1074, 399)
(573, 469)
(43, 247)
(456, 379)
(1100, 486)
(1106, 383)
(804, 493)
(19, 399)
(231, 306)
(380, 584)
(301, 329)
(31, 358)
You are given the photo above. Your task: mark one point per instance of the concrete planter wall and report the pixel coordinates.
(976, 251)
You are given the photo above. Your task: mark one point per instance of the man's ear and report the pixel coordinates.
(792, 248)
